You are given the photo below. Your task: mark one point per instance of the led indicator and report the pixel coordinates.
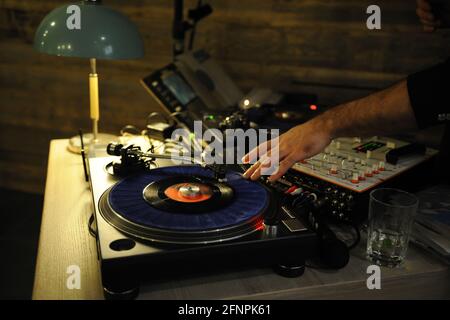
(313, 107)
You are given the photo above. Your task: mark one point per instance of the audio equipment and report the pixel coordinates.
(194, 87)
(154, 219)
(349, 168)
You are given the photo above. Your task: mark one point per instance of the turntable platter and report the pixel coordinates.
(185, 204)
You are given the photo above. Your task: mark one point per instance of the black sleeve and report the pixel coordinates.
(429, 93)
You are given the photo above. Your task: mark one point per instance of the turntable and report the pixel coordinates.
(172, 220)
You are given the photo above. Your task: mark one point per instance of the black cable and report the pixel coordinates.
(92, 232)
(356, 230)
(302, 202)
(194, 28)
(358, 236)
(178, 28)
(83, 156)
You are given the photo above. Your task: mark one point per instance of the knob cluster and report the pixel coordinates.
(339, 202)
(341, 160)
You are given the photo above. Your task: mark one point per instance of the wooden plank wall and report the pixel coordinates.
(317, 45)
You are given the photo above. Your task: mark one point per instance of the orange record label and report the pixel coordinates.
(189, 192)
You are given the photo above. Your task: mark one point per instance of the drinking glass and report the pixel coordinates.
(391, 216)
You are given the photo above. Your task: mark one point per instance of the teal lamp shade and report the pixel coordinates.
(104, 34)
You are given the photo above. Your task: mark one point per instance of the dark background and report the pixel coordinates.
(320, 46)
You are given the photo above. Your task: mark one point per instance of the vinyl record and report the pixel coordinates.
(188, 194)
(185, 204)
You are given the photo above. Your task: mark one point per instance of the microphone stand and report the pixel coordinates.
(180, 26)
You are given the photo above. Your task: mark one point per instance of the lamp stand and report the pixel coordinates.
(94, 137)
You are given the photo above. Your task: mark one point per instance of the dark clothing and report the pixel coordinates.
(429, 94)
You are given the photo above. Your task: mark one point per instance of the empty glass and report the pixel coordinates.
(391, 216)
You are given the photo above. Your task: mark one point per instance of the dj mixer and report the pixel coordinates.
(361, 164)
(350, 167)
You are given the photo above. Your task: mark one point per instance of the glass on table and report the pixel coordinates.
(391, 216)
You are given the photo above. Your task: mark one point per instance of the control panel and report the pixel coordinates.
(349, 168)
(360, 164)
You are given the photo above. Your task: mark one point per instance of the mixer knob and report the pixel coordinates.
(343, 194)
(338, 145)
(334, 203)
(333, 169)
(375, 169)
(341, 206)
(355, 178)
(381, 166)
(362, 175)
(368, 172)
(357, 160)
(356, 139)
(315, 163)
(343, 175)
(341, 215)
(349, 198)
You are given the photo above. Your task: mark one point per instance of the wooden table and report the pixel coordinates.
(65, 241)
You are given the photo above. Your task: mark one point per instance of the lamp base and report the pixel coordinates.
(88, 139)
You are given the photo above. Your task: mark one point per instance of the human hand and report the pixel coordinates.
(300, 142)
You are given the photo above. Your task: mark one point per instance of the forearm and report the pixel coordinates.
(382, 113)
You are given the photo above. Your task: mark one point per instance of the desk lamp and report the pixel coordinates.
(90, 30)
